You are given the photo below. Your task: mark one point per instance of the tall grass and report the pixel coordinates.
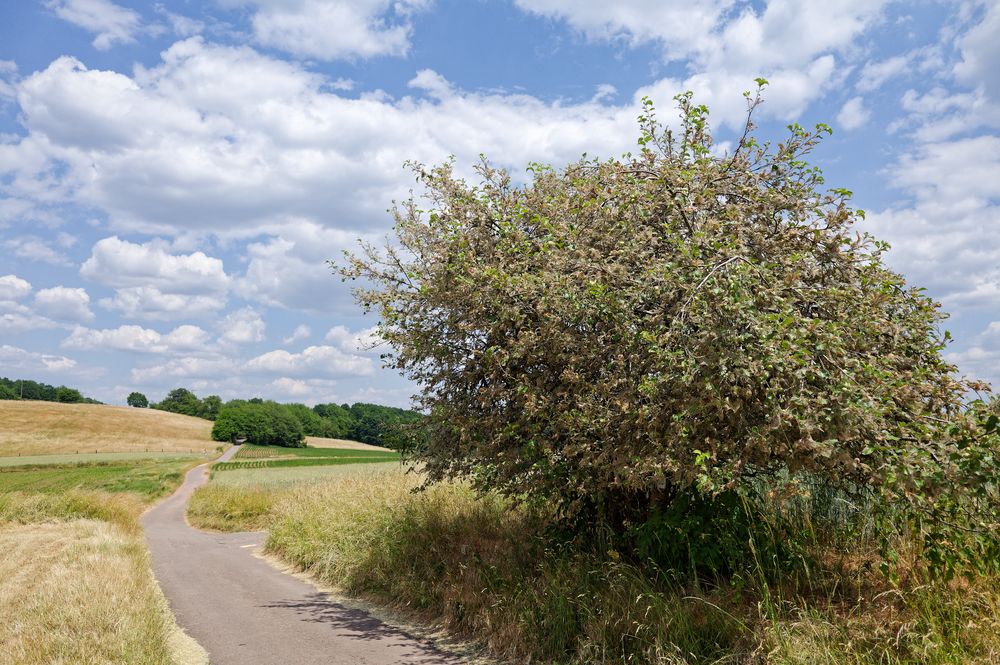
(485, 569)
(481, 569)
(231, 507)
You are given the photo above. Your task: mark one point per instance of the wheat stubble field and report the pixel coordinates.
(48, 428)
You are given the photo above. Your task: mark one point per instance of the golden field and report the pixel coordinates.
(48, 428)
(343, 444)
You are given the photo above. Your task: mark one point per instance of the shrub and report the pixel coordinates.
(615, 335)
(261, 423)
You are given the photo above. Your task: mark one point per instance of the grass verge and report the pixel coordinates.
(483, 569)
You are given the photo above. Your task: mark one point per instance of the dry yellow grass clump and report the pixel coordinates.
(82, 592)
(46, 428)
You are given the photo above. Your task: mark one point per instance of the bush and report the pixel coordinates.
(618, 334)
(261, 423)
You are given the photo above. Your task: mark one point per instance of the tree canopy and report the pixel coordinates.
(616, 335)
(262, 423)
(137, 400)
(33, 390)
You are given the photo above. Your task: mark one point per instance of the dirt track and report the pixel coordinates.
(244, 611)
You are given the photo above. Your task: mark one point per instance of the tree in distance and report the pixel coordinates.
(68, 395)
(625, 339)
(263, 423)
(137, 400)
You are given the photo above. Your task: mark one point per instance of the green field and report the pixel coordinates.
(280, 478)
(148, 478)
(248, 452)
(304, 461)
(277, 457)
(89, 458)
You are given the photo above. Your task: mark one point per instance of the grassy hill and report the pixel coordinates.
(50, 428)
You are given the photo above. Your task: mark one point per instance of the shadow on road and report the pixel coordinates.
(357, 624)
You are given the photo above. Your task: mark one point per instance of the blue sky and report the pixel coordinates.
(174, 175)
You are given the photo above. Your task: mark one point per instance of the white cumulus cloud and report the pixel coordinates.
(333, 29)
(302, 331)
(243, 326)
(363, 341)
(64, 304)
(13, 287)
(120, 263)
(185, 338)
(327, 360)
(148, 302)
(853, 114)
(12, 357)
(112, 24)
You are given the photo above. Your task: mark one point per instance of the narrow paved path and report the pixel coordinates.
(244, 611)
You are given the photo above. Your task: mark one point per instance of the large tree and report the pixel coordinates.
(137, 400)
(615, 334)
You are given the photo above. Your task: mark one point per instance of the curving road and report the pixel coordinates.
(244, 611)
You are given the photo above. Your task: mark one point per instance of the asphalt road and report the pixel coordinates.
(244, 611)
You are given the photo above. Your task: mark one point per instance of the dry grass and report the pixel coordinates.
(320, 442)
(48, 428)
(484, 569)
(232, 508)
(82, 592)
(243, 499)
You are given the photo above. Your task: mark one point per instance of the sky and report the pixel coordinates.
(175, 175)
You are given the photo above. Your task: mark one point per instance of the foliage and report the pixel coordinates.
(616, 335)
(180, 400)
(210, 407)
(43, 392)
(338, 418)
(183, 401)
(262, 423)
(368, 423)
(68, 395)
(137, 399)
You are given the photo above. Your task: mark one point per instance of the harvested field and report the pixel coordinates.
(344, 444)
(82, 592)
(48, 428)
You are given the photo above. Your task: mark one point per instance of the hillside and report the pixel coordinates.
(43, 428)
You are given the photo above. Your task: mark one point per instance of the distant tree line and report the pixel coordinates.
(272, 423)
(33, 390)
